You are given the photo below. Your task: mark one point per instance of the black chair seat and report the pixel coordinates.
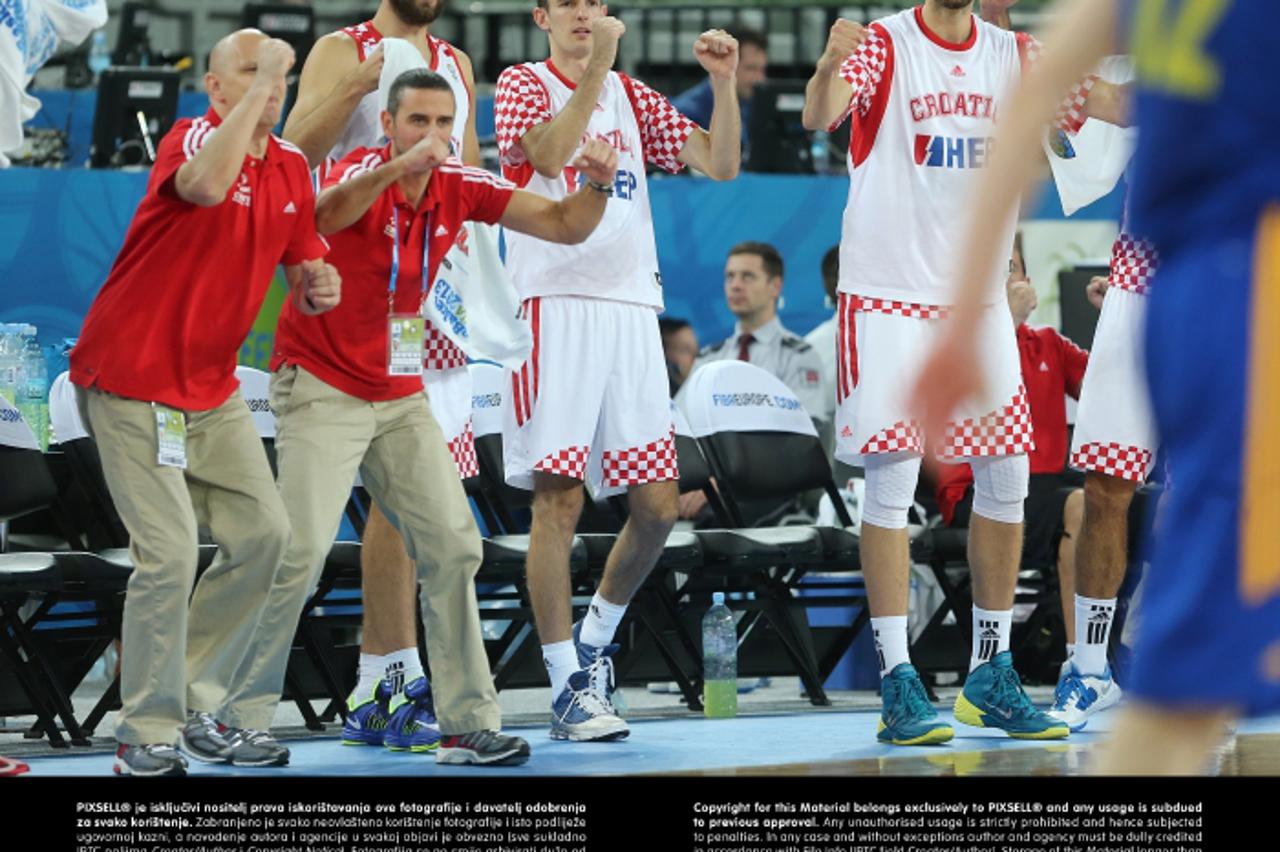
(760, 546)
(505, 555)
(840, 547)
(21, 573)
(107, 571)
(944, 544)
(343, 561)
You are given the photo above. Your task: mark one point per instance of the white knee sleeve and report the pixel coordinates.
(891, 489)
(1000, 487)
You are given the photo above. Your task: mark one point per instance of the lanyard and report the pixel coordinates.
(395, 259)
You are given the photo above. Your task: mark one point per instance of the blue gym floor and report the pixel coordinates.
(804, 743)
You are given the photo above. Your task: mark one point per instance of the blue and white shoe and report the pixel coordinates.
(366, 722)
(412, 725)
(908, 718)
(993, 697)
(583, 714)
(1080, 696)
(598, 660)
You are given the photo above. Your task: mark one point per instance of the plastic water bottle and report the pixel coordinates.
(820, 153)
(719, 661)
(10, 362)
(33, 391)
(99, 55)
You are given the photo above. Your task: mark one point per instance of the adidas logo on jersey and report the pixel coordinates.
(957, 71)
(442, 231)
(1044, 368)
(289, 208)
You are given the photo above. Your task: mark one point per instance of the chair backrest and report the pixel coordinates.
(254, 385)
(695, 473)
(64, 411)
(25, 483)
(759, 440)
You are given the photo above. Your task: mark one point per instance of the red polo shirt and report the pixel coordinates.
(189, 281)
(347, 346)
(1052, 368)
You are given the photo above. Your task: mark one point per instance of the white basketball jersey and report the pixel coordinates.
(364, 129)
(619, 261)
(924, 113)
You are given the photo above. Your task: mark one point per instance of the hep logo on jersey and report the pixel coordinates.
(953, 153)
(624, 183)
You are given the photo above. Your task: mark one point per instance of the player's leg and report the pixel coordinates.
(1068, 551)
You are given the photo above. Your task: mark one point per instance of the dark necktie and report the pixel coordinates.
(744, 344)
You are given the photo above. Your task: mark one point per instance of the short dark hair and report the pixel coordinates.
(747, 35)
(831, 270)
(415, 78)
(768, 255)
(670, 325)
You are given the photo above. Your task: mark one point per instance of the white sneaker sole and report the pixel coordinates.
(1078, 720)
(597, 730)
(119, 767)
(465, 756)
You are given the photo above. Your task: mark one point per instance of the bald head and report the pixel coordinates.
(245, 59)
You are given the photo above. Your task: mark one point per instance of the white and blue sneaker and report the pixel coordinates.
(598, 660)
(1079, 696)
(583, 713)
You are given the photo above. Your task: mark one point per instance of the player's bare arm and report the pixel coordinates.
(827, 94)
(574, 218)
(1078, 40)
(549, 146)
(314, 286)
(206, 178)
(342, 205)
(1109, 102)
(717, 152)
(332, 84)
(470, 140)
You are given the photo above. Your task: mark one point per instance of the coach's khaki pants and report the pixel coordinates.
(226, 487)
(323, 436)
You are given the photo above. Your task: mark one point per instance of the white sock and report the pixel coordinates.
(371, 668)
(890, 632)
(1093, 630)
(990, 634)
(561, 660)
(402, 667)
(601, 622)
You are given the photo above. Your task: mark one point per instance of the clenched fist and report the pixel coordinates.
(321, 287)
(598, 161)
(1096, 291)
(365, 76)
(717, 53)
(275, 58)
(844, 39)
(429, 152)
(605, 34)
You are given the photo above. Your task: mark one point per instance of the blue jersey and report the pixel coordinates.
(1208, 105)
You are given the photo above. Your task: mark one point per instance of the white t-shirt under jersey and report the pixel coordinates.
(619, 261)
(924, 117)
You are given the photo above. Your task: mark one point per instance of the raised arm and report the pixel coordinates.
(572, 219)
(827, 95)
(470, 153)
(332, 84)
(207, 177)
(549, 146)
(343, 204)
(717, 153)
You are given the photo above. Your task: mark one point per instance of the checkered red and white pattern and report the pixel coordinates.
(521, 102)
(1005, 432)
(901, 309)
(1133, 263)
(366, 37)
(864, 70)
(642, 465)
(463, 449)
(898, 438)
(663, 130)
(1131, 463)
(439, 352)
(570, 462)
(1070, 113)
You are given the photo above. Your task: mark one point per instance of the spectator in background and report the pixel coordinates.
(753, 67)
(1052, 367)
(679, 347)
(753, 287)
(823, 338)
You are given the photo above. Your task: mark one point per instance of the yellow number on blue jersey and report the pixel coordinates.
(1168, 49)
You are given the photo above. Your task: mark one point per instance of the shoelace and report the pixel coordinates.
(600, 675)
(914, 700)
(212, 727)
(1009, 693)
(249, 736)
(590, 700)
(161, 750)
(1070, 685)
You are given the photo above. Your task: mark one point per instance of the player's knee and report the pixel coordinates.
(559, 507)
(658, 512)
(1107, 495)
(1000, 487)
(1073, 513)
(891, 488)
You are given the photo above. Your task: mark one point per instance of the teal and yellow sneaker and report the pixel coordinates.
(413, 725)
(908, 718)
(366, 722)
(993, 697)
